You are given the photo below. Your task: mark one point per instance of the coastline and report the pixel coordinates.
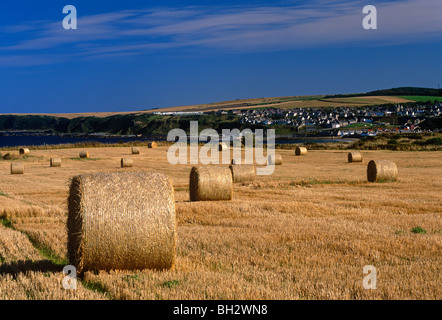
(40, 138)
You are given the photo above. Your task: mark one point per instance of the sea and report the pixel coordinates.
(27, 139)
(42, 140)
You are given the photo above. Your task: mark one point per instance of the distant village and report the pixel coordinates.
(341, 121)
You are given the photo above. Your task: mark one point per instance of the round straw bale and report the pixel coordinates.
(300, 151)
(243, 172)
(236, 161)
(55, 162)
(121, 220)
(84, 154)
(210, 183)
(355, 156)
(152, 144)
(381, 170)
(24, 151)
(275, 159)
(17, 168)
(222, 146)
(135, 150)
(127, 162)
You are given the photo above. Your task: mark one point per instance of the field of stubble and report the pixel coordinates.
(305, 232)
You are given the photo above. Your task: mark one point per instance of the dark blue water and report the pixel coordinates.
(40, 140)
(318, 140)
(30, 140)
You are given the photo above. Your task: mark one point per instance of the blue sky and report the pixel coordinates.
(135, 55)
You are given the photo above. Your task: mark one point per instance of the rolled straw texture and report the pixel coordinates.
(127, 162)
(275, 159)
(17, 168)
(84, 154)
(222, 146)
(300, 151)
(208, 183)
(381, 171)
(121, 220)
(243, 172)
(24, 151)
(236, 161)
(55, 162)
(355, 156)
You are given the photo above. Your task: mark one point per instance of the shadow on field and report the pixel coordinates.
(22, 266)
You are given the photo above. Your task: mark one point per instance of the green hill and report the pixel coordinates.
(400, 91)
(406, 91)
(146, 124)
(151, 124)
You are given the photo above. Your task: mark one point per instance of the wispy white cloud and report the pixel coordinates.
(237, 28)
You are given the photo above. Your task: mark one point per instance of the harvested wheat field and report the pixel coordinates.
(305, 232)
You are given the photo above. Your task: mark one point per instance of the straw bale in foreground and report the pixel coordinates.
(121, 220)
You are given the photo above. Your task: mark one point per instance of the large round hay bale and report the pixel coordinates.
(121, 220)
(55, 162)
(84, 154)
(17, 168)
(209, 183)
(152, 144)
(275, 159)
(355, 156)
(300, 151)
(222, 146)
(127, 162)
(24, 151)
(135, 150)
(381, 171)
(243, 172)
